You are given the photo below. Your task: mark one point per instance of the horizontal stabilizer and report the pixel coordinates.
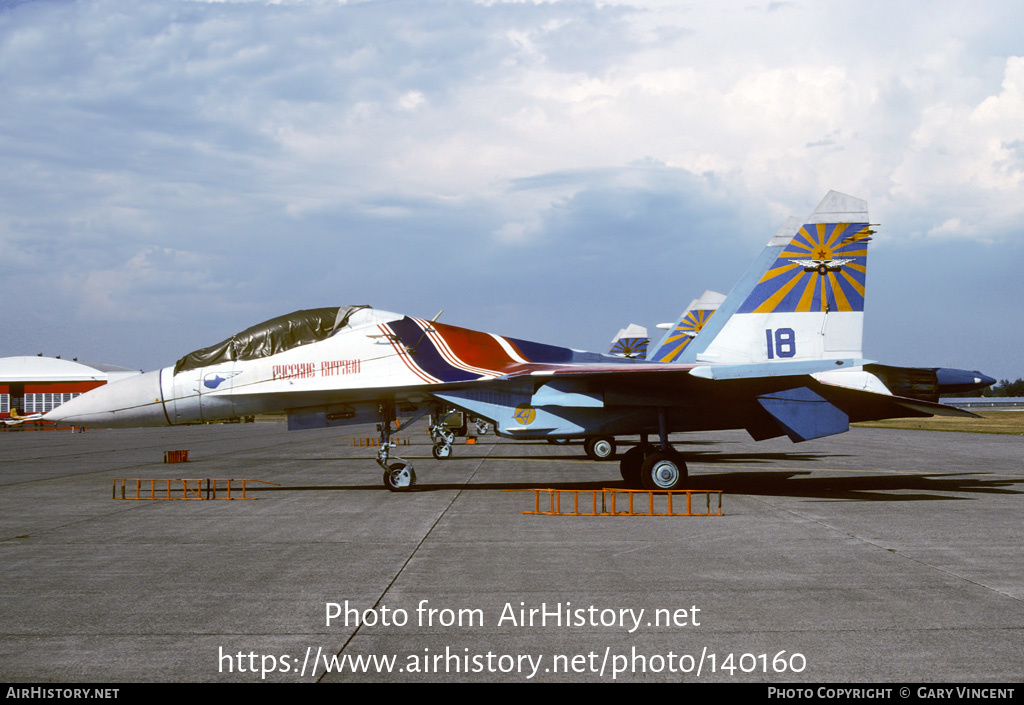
(933, 408)
(774, 369)
(804, 415)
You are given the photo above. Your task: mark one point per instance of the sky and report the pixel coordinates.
(174, 172)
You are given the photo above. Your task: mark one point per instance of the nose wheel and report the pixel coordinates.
(399, 477)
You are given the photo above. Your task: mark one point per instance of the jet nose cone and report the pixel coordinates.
(131, 402)
(952, 380)
(984, 379)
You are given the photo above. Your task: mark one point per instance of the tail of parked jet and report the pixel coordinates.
(686, 328)
(798, 312)
(802, 299)
(630, 342)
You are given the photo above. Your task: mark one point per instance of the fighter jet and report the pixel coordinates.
(632, 342)
(781, 356)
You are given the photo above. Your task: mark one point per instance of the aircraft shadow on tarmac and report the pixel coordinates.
(863, 487)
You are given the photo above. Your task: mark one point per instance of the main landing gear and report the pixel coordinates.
(596, 447)
(441, 435)
(654, 467)
(600, 447)
(651, 468)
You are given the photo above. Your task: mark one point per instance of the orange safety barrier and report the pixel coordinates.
(175, 456)
(190, 489)
(610, 506)
(397, 440)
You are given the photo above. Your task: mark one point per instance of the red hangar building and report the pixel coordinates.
(35, 385)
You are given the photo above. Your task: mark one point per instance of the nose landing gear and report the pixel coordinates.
(398, 476)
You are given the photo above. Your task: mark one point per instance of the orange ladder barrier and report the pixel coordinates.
(188, 489)
(397, 440)
(659, 503)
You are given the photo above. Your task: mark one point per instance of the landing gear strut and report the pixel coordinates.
(440, 434)
(398, 476)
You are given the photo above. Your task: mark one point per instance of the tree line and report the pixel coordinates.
(1002, 388)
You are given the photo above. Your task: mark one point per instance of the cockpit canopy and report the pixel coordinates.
(271, 337)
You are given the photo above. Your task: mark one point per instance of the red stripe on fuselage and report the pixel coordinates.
(449, 355)
(476, 349)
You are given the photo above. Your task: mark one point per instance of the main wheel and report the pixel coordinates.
(630, 464)
(400, 477)
(663, 470)
(442, 451)
(600, 447)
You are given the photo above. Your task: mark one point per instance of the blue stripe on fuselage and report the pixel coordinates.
(540, 352)
(425, 354)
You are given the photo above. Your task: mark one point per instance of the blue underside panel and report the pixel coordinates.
(804, 415)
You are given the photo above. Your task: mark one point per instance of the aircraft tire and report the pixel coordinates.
(557, 441)
(630, 464)
(663, 471)
(600, 447)
(441, 451)
(397, 480)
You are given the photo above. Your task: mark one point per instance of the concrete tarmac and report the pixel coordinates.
(874, 556)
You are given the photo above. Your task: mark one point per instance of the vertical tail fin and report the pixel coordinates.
(686, 328)
(803, 298)
(631, 341)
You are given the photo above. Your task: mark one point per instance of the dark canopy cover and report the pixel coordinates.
(270, 337)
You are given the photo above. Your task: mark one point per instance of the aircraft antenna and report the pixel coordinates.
(432, 320)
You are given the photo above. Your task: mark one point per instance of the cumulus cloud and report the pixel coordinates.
(267, 156)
